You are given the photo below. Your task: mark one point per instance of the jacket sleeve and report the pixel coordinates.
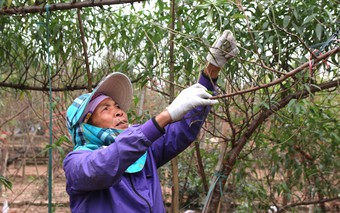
(179, 135)
(102, 168)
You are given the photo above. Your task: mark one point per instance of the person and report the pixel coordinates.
(113, 167)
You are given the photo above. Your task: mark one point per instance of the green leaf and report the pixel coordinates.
(265, 25)
(160, 4)
(296, 109)
(286, 21)
(62, 139)
(210, 16)
(307, 88)
(297, 29)
(291, 102)
(238, 16)
(203, 6)
(316, 86)
(336, 136)
(296, 14)
(5, 182)
(265, 105)
(309, 19)
(318, 31)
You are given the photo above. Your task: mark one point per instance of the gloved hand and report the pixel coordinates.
(189, 98)
(223, 49)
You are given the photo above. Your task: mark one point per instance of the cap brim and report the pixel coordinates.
(118, 86)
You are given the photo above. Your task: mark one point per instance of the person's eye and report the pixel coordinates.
(117, 105)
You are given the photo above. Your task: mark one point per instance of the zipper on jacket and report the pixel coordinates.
(139, 195)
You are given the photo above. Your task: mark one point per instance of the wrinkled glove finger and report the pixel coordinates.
(230, 37)
(226, 36)
(203, 94)
(207, 102)
(229, 44)
(231, 53)
(200, 91)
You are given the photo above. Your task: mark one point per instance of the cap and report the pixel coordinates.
(116, 85)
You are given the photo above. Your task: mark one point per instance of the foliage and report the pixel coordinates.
(5, 182)
(296, 154)
(59, 146)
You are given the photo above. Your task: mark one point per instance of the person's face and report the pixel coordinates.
(109, 115)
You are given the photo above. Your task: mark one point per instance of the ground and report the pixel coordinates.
(30, 193)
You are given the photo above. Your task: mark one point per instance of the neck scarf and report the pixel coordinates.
(93, 138)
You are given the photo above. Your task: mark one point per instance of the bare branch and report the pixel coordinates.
(89, 75)
(281, 79)
(284, 208)
(62, 6)
(12, 117)
(42, 88)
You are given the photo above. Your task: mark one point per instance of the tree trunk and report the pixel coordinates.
(200, 165)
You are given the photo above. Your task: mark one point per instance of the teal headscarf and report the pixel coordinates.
(98, 138)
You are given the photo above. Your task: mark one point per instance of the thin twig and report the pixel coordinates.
(284, 208)
(12, 117)
(281, 79)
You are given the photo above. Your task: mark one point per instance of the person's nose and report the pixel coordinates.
(119, 113)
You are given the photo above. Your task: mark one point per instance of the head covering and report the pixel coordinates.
(116, 85)
(92, 105)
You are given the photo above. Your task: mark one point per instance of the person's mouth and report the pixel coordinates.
(121, 122)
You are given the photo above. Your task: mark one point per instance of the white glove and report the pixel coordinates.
(189, 98)
(223, 49)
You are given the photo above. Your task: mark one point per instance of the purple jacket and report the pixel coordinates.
(97, 182)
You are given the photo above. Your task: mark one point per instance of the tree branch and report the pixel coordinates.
(281, 79)
(284, 208)
(42, 88)
(61, 6)
(82, 33)
(13, 116)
